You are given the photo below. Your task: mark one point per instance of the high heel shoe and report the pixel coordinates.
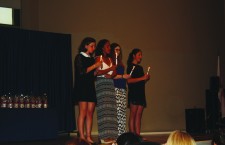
(90, 142)
(107, 141)
(144, 139)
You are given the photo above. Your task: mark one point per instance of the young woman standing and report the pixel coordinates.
(136, 90)
(106, 99)
(84, 86)
(120, 87)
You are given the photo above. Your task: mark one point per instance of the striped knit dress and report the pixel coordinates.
(106, 107)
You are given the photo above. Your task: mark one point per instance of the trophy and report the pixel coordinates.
(3, 101)
(16, 102)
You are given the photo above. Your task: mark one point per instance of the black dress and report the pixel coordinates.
(136, 91)
(84, 83)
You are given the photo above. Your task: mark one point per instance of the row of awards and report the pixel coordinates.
(21, 101)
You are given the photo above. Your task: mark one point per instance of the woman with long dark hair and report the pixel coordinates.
(136, 89)
(106, 99)
(84, 86)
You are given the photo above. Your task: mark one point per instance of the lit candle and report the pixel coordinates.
(148, 70)
(101, 58)
(132, 70)
(116, 58)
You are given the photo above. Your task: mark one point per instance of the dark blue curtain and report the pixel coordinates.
(38, 62)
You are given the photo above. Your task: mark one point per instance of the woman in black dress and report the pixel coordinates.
(136, 90)
(84, 86)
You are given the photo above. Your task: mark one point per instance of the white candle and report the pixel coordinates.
(101, 58)
(148, 70)
(132, 70)
(116, 58)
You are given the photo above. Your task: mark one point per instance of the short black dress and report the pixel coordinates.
(136, 91)
(84, 83)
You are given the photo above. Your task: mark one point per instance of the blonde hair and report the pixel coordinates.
(180, 138)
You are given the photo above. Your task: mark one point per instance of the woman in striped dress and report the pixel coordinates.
(105, 93)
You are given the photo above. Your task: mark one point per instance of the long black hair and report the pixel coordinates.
(130, 57)
(100, 46)
(128, 138)
(85, 41)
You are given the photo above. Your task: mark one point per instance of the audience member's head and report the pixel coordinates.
(180, 138)
(219, 138)
(128, 138)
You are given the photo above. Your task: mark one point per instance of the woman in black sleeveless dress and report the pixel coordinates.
(136, 90)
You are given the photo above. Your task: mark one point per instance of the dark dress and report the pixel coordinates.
(84, 83)
(136, 91)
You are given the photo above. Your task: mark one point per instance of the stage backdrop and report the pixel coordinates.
(34, 63)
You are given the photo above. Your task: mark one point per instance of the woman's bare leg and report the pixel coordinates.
(89, 120)
(81, 118)
(138, 119)
(133, 111)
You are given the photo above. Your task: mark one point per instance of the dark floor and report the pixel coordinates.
(64, 139)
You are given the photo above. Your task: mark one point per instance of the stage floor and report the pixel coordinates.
(64, 139)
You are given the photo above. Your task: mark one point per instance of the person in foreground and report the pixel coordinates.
(180, 138)
(128, 138)
(84, 86)
(136, 89)
(218, 137)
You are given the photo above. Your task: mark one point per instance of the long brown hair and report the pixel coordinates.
(113, 55)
